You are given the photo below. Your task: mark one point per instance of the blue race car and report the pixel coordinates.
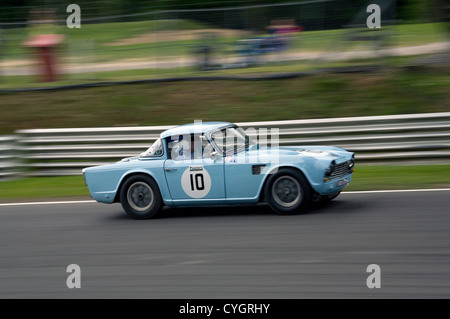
(217, 163)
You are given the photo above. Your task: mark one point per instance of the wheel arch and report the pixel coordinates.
(130, 174)
(275, 170)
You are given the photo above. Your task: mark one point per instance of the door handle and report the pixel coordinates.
(170, 169)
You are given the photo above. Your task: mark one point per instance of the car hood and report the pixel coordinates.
(318, 152)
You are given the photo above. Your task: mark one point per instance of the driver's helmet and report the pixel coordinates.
(181, 148)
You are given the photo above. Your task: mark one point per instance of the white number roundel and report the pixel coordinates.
(196, 184)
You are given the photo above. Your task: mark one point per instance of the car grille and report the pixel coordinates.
(340, 170)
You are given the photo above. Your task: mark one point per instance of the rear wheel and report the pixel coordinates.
(140, 197)
(288, 192)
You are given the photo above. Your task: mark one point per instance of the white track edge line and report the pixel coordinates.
(50, 203)
(399, 191)
(349, 192)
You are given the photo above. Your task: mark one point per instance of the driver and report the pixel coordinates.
(186, 150)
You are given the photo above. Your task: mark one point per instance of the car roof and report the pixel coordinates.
(195, 128)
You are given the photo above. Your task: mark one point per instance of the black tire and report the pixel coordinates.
(140, 197)
(288, 192)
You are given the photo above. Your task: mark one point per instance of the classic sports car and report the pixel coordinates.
(217, 163)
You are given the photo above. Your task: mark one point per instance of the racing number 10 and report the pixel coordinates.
(197, 182)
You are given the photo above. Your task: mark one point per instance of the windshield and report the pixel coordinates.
(232, 140)
(155, 150)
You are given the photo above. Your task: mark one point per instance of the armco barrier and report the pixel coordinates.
(9, 164)
(397, 138)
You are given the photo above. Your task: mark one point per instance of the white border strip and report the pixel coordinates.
(350, 192)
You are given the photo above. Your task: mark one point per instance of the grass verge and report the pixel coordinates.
(365, 178)
(317, 96)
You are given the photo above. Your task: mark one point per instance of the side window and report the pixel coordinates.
(155, 150)
(178, 147)
(230, 140)
(219, 139)
(188, 147)
(208, 149)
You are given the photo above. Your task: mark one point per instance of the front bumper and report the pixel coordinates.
(334, 186)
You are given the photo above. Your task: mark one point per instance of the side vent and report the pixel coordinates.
(257, 169)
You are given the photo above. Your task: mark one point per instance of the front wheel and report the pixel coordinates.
(288, 192)
(140, 197)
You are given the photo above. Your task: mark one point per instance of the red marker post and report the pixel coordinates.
(45, 48)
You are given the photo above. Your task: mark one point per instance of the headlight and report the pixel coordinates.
(84, 176)
(351, 164)
(330, 169)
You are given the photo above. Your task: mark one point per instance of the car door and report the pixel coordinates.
(244, 177)
(195, 181)
(243, 168)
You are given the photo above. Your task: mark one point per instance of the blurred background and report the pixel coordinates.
(134, 64)
(181, 38)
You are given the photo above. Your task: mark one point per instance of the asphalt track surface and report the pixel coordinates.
(239, 252)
